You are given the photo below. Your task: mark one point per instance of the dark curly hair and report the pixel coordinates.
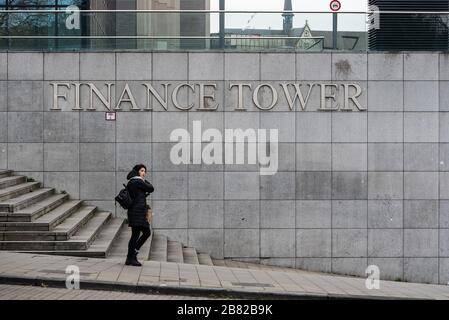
(137, 167)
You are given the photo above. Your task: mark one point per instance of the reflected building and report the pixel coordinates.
(121, 30)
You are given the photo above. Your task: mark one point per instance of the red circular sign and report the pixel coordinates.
(335, 5)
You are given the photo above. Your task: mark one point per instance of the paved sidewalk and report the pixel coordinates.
(14, 292)
(201, 280)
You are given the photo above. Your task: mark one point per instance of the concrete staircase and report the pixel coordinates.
(39, 220)
(159, 248)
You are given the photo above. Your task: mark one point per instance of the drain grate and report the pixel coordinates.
(251, 284)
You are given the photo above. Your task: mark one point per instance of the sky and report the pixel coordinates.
(306, 5)
(317, 21)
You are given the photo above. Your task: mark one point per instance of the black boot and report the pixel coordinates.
(135, 262)
(131, 259)
(128, 260)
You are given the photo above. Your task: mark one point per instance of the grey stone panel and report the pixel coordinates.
(349, 127)
(278, 186)
(390, 268)
(61, 157)
(63, 181)
(206, 66)
(129, 154)
(349, 157)
(313, 157)
(421, 127)
(277, 243)
(385, 214)
(421, 157)
(133, 66)
(241, 243)
(25, 66)
(421, 185)
(61, 66)
(313, 66)
(97, 157)
(385, 243)
(421, 66)
(241, 214)
(385, 66)
(241, 185)
(25, 126)
(349, 214)
(349, 66)
(208, 241)
(420, 243)
(242, 66)
(277, 66)
(349, 185)
(170, 185)
(385, 156)
(206, 214)
(94, 128)
(385, 185)
(61, 127)
(170, 214)
(97, 66)
(277, 213)
(170, 66)
(206, 185)
(313, 214)
(26, 156)
(424, 270)
(26, 95)
(323, 264)
(349, 243)
(421, 214)
(386, 96)
(385, 127)
(313, 185)
(313, 243)
(350, 266)
(97, 186)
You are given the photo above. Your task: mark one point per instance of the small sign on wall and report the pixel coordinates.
(111, 116)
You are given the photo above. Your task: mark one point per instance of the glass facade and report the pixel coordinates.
(34, 24)
(191, 25)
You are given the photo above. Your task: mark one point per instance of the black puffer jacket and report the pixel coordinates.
(138, 189)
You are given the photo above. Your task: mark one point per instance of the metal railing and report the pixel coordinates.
(174, 30)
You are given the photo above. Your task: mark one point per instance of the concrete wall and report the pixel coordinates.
(354, 188)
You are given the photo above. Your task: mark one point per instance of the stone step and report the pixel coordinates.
(77, 220)
(11, 181)
(25, 200)
(158, 250)
(62, 232)
(174, 252)
(81, 240)
(37, 210)
(120, 249)
(18, 190)
(47, 221)
(205, 259)
(5, 173)
(101, 246)
(190, 255)
(92, 228)
(219, 262)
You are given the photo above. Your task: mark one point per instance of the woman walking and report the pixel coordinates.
(138, 214)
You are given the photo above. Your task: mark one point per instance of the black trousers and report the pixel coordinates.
(138, 237)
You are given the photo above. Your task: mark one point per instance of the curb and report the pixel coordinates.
(185, 291)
